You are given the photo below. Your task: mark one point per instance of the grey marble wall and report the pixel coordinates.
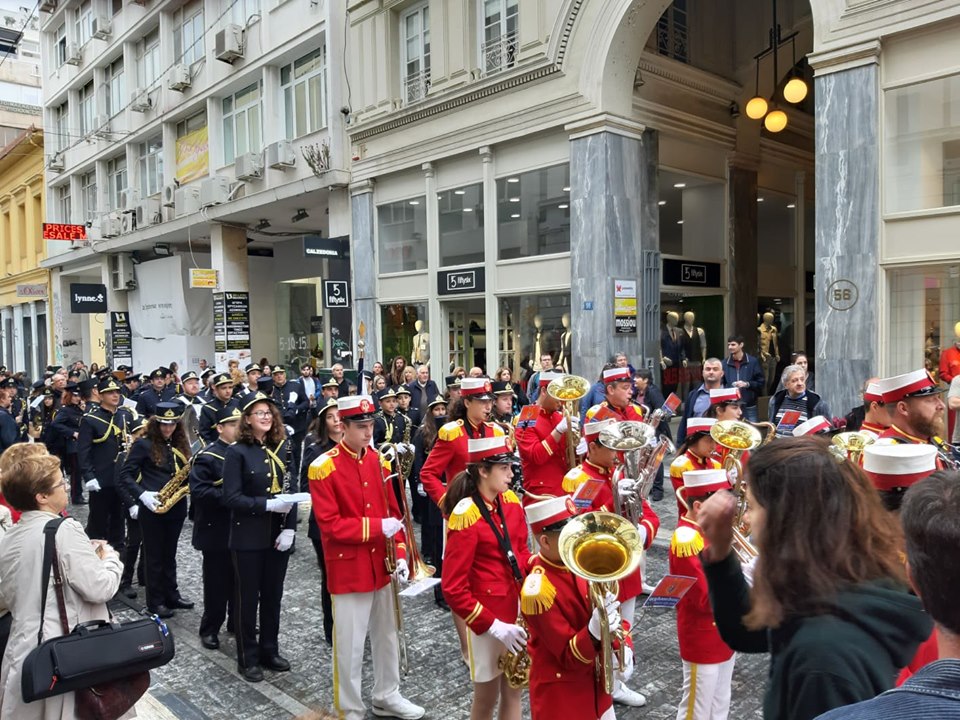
(613, 226)
(742, 190)
(362, 258)
(847, 233)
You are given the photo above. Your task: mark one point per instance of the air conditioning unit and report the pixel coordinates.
(121, 271)
(148, 213)
(55, 162)
(280, 155)
(110, 225)
(101, 27)
(229, 43)
(101, 125)
(186, 200)
(249, 166)
(180, 78)
(166, 196)
(74, 54)
(48, 5)
(140, 100)
(128, 223)
(77, 244)
(214, 191)
(129, 199)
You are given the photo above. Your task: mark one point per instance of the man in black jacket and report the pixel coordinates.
(222, 385)
(743, 371)
(423, 391)
(698, 400)
(150, 396)
(294, 405)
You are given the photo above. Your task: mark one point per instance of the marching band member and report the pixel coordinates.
(136, 427)
(913, 402)
(389, 427)
(64, 432)
(411, 414)
(222, 390)
(707, 659)
(358, 516)
(483, 560)
(618, 384)
(294, 405)
(541, 437)
(152, 462)
(262, 530)
(564, 626)
(432, 530)
(875, 419)
(211, 527)
(505, 397)
(152, 394)
(695, 453)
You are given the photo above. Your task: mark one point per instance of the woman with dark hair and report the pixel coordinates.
(519, 395)
(431, 543)
(262, 527)
(324, 433)
(154, 459)
(829, 600)
(397, 366)
(486, 558)
(694, 453)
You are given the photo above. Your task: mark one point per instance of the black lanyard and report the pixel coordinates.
(502, 540)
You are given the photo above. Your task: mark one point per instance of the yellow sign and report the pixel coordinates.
(192, 155)
(203, 278)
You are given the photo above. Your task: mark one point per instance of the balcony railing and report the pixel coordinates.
(500, 54)
(416, 86)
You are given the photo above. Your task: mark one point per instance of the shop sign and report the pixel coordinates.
(691, 274)
(336, 294)
(87, 298)
(219, 325)
(842, 294)
(333, 247)
(205, 278)
(61, 231)
(32, 290)
(461, 282)
(121, 339)
(231, 328)
(625, 307)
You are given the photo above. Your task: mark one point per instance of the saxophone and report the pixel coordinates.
(516, 666)
(406, 460)
(176, 489)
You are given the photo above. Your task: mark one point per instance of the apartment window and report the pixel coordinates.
(241, 123)
(88, 195)
(116, 6)
(150, 166)
(113, 86)
(192, 124)
(83, 19)
(415, 27)
(22, 94)
(148, 59)
(672, 32)
(63, 202)
(61, 122)
(499, 47)
(243, 10)
(304, 85)
(116, 180)
(29, 49)
(86, 109)
(188, 35)
(60, 44)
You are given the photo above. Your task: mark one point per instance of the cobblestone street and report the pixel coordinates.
(202, 684)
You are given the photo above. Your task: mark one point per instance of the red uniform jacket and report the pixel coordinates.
(697, 633)
(349, 504)
(478, 582)
(563, 679)
(542, 459)
(631, 412)
(448, 457)
(870, 427)
(631, 586)
(683, 463)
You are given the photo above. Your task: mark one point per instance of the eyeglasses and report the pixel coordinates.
(62, 484)
(261, 413)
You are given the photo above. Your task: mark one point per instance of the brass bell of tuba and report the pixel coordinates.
(850, 445)
(570, 390)
(602, 548)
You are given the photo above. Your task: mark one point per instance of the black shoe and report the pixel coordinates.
(442, 604)
(210, 642)
(161, 611)
(656, 494)
(276, 663)
(128, 591)
(251, 674)
(181, 603)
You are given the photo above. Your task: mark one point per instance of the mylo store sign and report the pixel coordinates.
(87, 298)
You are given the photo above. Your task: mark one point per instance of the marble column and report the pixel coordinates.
(742, 196)
(363, 262)
(847, 233)
(613, 236)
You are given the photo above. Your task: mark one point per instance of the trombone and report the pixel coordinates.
(602, 548)
(570, 390)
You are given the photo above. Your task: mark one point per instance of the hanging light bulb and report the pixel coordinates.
(756, 108)
(775, 121)
(795, 90)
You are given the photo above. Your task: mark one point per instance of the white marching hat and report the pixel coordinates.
(697, 425)
(812, 426)
(898, 466)
(549, 512)
(704, 481)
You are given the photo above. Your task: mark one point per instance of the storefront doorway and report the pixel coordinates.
(465, 324)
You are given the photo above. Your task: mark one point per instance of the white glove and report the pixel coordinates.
(149, 500)
(293, 398)
(408, 448)
(627, 488)
(134, 511)
(562, 426)
(284, 540)
(92, 485)
(278, 506)
(289, 429)
(391, 526)
(610, 614)
(512, 637)
(421, 491)
(626, 672)
(402, 572)
(582, 447)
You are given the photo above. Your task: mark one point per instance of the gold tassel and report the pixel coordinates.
(686, 542)
(511, 497)
(465, 514)
(450, 431)
(321, 470)
(538, 593)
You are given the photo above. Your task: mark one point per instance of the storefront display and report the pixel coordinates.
(924, 312)
(529, 322)
(400, 326)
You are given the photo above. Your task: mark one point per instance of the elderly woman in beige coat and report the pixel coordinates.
(91, 574)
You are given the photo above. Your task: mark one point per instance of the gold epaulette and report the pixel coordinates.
(574, 478)
(686, 542)
(450, 431)
(538, 593)
(680, 462)
(465, 514)
(497, 429)
(321, 468)
(511, 497)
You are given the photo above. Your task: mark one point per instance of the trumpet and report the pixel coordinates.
(570, 390)
(851, 445)
(602, 548)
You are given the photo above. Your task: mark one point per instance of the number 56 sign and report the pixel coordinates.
(842, 295)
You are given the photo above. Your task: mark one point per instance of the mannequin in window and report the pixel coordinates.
(540, 343)
(769, 350)
(694, 353)
(671, 353)
(566, 338)
(421, 345)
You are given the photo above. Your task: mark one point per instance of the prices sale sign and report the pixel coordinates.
(61, 231)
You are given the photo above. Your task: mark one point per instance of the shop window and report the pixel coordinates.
(41, 339)
(692, 215)
(922, 145)
(299, 323)
(461, 225)
(402, 233)
(532, 323)
(533, 213)
(398, 328)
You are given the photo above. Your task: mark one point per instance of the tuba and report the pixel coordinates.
(602, 548)
(570, 390)
(641, 459)
(850, 445)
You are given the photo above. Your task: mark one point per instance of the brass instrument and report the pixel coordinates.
(642, 456)
(851, 445)
(570, 390)
(176, 489)
(516, 666)
(406, 459)
(947, 453)
(602, 548)
(35, 428)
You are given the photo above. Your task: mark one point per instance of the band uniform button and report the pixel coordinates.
(559, 675)
(368, 504)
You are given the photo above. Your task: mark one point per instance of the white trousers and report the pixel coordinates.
(706, 691)
(354, 614)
